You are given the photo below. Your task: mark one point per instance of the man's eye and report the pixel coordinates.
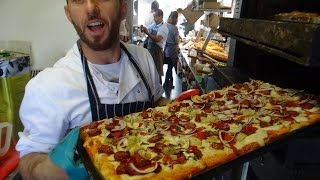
(78, 1)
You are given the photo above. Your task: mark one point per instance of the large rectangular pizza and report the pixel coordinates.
(187, 137)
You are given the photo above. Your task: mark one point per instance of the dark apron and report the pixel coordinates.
(156, 52)
(101, 111)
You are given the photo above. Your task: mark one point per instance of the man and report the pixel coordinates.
(157, 36)
(98, 78)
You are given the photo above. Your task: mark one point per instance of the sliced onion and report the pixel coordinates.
(198, 99)
(222, 140)
(144, 171)
(107, 133)
(108, 121)
(294, 92)
(160, 118)
(122, 143)
(307, 99)
(189, 131)
(158, 126)
(122, 125)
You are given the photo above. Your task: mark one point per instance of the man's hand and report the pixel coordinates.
(63, 156)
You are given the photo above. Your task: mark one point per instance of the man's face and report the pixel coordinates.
(97, 22)
(157, 19)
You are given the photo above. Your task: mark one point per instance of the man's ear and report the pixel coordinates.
(67, 12)
(124, 9)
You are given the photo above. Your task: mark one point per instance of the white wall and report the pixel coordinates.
(43, 23)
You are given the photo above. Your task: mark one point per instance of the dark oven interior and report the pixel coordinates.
(260, 64)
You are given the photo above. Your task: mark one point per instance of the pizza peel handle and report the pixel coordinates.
(92, 171)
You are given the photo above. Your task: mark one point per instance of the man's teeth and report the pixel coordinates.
(95, 24)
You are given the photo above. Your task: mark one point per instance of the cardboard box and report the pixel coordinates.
(211, 5)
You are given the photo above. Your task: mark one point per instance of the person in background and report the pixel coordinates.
(171, 49)
(123, 31)
(99, 77)
(157, 37)
(149, 20)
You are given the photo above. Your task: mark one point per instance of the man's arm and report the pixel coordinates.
(154, 37)
(36, 166)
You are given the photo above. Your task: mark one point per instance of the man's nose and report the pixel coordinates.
(93, 6)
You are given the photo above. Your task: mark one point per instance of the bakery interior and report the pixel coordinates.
(276, 41)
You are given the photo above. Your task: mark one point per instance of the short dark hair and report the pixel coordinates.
(159, 13)
(155, 5)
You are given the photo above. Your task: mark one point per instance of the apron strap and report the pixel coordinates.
(139, 71)
(92, 91)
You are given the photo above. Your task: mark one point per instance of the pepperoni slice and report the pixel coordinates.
(217, 95)
(184, 104)
(265, 124)
(121, 155)
(173, 118)
(105, 149)
(140, 161)
(174, 108)
(237, 85)
(195, 150)
(292, 103)
(249, 129)
(219, 146)
(221, 125)
(293, 113)
(201, 135)
(93, 125)
(198, 118)
(184, 118)
(93, 132)
(145, 115)
(207, 110)
(155, 138)
(307, 106)
(245, 103)
(121, 169)
(181, 159)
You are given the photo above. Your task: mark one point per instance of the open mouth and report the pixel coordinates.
(95, 26)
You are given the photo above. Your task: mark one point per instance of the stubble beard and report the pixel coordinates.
(108, 42)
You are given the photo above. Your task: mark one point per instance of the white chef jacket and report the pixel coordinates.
(56, 100)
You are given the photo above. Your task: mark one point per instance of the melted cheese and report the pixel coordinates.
(277, 126)
(258, 137)
(301, 118)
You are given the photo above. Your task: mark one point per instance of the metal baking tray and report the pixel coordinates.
(215, 171)
(91, 169)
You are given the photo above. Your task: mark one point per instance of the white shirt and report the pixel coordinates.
(161, 30)
(56, 100)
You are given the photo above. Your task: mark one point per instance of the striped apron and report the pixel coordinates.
(101, 111)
